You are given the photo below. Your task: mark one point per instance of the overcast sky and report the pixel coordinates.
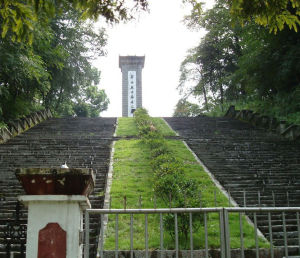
(161, 36)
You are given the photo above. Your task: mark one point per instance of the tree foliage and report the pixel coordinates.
(274, 14)
(207, 68)
(19, 17)
(245, 65)
(186, 109)
(55, 71)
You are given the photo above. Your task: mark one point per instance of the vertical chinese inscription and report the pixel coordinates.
(131, 92)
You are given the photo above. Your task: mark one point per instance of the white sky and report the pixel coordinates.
(162, 37)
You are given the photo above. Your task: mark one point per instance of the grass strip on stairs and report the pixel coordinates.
(133, 178)
(127, 127)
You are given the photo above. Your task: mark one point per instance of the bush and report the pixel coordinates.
(161, 159)
(170, 181)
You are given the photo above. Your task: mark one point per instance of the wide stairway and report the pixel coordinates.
(256, 167)
(80, 142)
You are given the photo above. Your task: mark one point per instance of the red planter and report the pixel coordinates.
(56, 181)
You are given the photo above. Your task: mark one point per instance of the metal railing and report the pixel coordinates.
(225, 248)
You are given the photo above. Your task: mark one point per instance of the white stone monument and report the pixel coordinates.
(56, 201)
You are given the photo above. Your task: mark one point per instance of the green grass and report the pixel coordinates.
(132, 177)
(127, 127)
(161, 125)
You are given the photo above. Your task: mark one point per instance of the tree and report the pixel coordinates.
(207, 69)
(269, 70)
(91, 102)
(273, 14)
(247, 66)
(55, 71)
(19, 17)
(186, 109)
(191, 77)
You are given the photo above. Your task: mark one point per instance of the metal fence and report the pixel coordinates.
(288, 217)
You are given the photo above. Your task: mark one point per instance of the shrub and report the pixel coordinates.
(161, 159)
(160, 150)
(170, 181)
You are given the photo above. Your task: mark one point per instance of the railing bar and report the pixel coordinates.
(270, 234)
(176, 236)
(227, 234)
(205, 235)
(161, 234)
(262, 209)
(222, 236)
(101, 236)
(191, 235)
(87, 235)
(244, 194)
(286, 252)
(117, 236)
(193, 210)
(146, 234)
(241, 235)
(298, 226)
(131, 235)
(255, 234)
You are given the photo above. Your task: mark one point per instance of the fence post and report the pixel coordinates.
(87, 235)
(227, 232)
(222, 234)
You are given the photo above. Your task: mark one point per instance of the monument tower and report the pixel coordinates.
(131, 67)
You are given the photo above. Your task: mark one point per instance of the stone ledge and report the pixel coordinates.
(291, 132)
(18, 126)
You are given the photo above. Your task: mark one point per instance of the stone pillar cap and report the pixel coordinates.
(56, 181)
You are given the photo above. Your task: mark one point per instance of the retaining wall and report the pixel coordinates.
(289, 131)
(18, 126)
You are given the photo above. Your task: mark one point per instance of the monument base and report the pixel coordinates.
(55, 225)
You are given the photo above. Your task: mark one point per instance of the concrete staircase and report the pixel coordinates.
(81, 142)
(257, 167)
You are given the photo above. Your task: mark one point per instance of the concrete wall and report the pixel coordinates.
(23, 124)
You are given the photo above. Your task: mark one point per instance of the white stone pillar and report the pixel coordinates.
(65, 210)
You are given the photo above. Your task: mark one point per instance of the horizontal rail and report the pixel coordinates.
(193, 210)
(262, 209)
(147, 211)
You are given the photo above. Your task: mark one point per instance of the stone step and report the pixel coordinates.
(81, 142)
(246, 159)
